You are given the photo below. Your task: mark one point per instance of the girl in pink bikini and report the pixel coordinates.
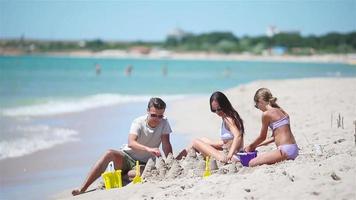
(278, 120)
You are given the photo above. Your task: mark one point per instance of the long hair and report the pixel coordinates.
(266, 95)
(227, 108)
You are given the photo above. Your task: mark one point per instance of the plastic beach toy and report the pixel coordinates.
(112, 178)
(137, 178)
(245, 157)
(207, 167)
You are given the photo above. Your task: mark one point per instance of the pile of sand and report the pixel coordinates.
(191, 166)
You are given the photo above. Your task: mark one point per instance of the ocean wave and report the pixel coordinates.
(35, 138)
(78, 105)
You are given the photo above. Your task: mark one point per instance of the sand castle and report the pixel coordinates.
(191, 166)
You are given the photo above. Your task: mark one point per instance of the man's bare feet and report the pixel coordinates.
(132, 173)
(76, 192)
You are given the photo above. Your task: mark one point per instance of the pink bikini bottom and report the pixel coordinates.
(290, 149)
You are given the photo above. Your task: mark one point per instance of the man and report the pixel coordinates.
(146, 134)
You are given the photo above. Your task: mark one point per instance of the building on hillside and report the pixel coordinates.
(177, 34)
(274, 30)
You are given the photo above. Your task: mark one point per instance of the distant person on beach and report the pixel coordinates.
(97, 69)
(146, 135)
(231, 134)
(277, 119)
(128, 70)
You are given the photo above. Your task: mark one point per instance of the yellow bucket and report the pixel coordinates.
(112, 179)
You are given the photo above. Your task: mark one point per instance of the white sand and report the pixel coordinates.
(313, 105)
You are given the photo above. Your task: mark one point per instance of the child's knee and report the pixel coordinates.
(253, 163)
(195, 143)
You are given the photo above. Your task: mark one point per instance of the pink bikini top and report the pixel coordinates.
(281, 122)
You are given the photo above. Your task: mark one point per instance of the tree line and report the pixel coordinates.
(293, 43)
(221, 42)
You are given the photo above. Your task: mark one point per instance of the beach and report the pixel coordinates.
(71, 94)
(165, 54)
(58, 116)
(322, 112)
(197, 55)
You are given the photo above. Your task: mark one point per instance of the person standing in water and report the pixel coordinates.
(97, 69)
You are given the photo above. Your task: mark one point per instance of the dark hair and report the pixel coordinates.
(227, 108)
(157, 103)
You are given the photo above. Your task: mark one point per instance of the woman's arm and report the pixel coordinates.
(266, 142)
(262, 136)
(237, 142)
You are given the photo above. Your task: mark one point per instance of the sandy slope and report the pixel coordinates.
(313, 105)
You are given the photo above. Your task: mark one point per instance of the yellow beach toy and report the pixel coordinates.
(112, 178)
(137, 178)
(207, 167)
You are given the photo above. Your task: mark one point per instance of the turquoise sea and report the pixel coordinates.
(38, 80)
(43, 98)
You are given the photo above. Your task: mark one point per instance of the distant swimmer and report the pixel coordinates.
(97, 69)
(128, 70)
(227, 72)
(164, 70)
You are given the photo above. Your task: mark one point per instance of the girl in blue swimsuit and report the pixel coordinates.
(277, 119)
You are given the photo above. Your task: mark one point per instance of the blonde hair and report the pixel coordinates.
(266, 95)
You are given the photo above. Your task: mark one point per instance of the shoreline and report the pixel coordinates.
(66, 165)
(163, 54)
(63, 165)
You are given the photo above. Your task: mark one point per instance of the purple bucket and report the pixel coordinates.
(245, 157)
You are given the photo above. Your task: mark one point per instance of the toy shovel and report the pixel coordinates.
(137, 178)
(207, 167)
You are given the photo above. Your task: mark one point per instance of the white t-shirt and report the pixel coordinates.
(147, 136)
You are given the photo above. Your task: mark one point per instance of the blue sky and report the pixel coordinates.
(152, 20)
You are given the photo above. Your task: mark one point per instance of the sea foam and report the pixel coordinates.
(35, 138)
(62, 106)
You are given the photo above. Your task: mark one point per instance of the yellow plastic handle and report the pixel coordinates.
(137, 168)
(207, 163)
